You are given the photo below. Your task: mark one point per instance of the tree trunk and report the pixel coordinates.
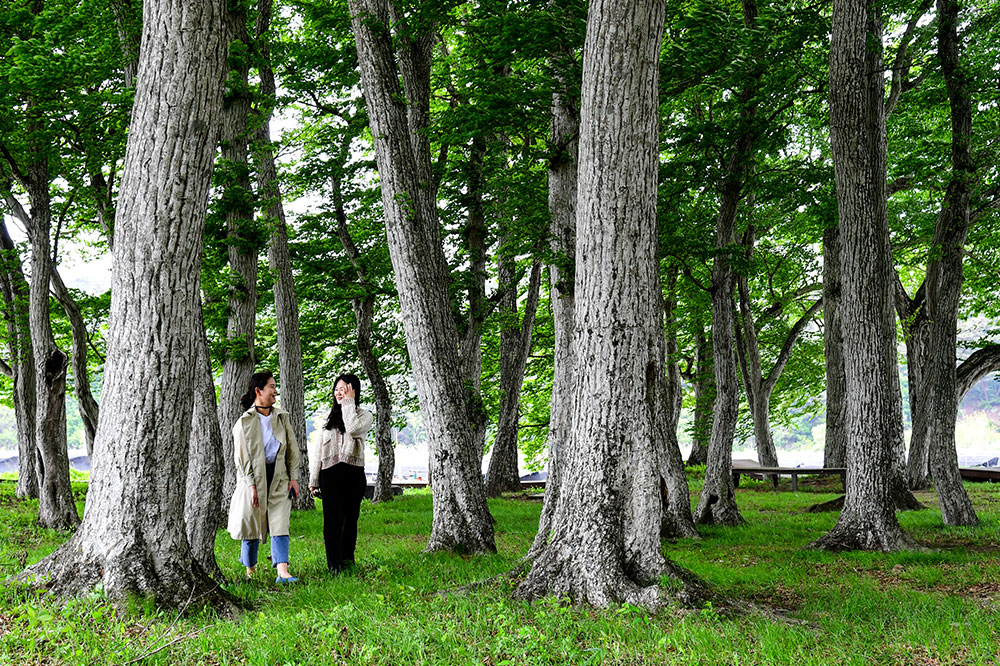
(89, 409)
(564, 139)
(22, 363)
(133, 538)
(718, 499)
(364, 313)
(238, 206)
(515, 345)
(717, 503)
(605, 546)
(677, 520)
(835, 444)
(748, 348)
(704, 399)
(979, 364)
(461, 515)
(874, 409)
(944, 277)
(471, 348)
(203, 495)
(286, 306)
(56, 508)
(916, 327)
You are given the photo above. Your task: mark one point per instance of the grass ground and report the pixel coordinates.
(940, 607)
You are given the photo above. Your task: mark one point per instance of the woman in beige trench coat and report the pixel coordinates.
(267, 464)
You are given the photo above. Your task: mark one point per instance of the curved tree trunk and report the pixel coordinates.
(874, 408)
(286, 306)
(564, 135)
(944, 277)
(461, 515)
(979, 364)
(238, 206)
(515, 345)
(89, 409)
(203, 494)
(22, 363)
(133, 537)
(835, 444)
(605, 546)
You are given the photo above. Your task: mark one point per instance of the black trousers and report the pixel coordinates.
(342, 487)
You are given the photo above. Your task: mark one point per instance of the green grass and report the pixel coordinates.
(939, 607)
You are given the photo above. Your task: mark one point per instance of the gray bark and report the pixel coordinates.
(677, 520)
(15, 293)
(203, 493)
(916, 331)
(243, 248)
(874, 409)
(562, 187)
(944, 277)
(461, 515)
(704, 399)
(979, 364)
(471, 347)
(515, 345)
(718, 499)
(286, 306)
(132, 539)
(605, 545)
(56, 508)
(364, 314)
(835, 444)
(88, 407)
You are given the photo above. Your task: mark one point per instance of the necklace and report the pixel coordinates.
(259, 408)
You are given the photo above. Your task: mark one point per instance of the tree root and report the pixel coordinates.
(823, 507)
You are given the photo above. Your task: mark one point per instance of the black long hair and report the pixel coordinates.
(258, 380)
(336, 418)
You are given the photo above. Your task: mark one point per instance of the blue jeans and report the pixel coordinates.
(279, 551)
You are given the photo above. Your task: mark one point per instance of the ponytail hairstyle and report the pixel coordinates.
(257, 382)
(335, 421)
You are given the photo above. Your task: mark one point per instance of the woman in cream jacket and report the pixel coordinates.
(267, 463)
(337, 469)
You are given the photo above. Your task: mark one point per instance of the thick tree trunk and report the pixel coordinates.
(874, 408)
(704, 400)
(203, 495)
(22, 364)
(515, 345)
(835, 444)
(461, 515)
(243, 249)
(564, 138)
(944, 277)
(286, 306)
(56, 508)
(605, 546)
(89, 409)
(133, 538)
(914, 320)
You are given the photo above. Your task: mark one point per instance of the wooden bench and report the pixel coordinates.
(794, 472)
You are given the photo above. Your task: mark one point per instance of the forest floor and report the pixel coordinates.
(938, 607)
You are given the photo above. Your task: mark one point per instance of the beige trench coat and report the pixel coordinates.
(246, 522)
